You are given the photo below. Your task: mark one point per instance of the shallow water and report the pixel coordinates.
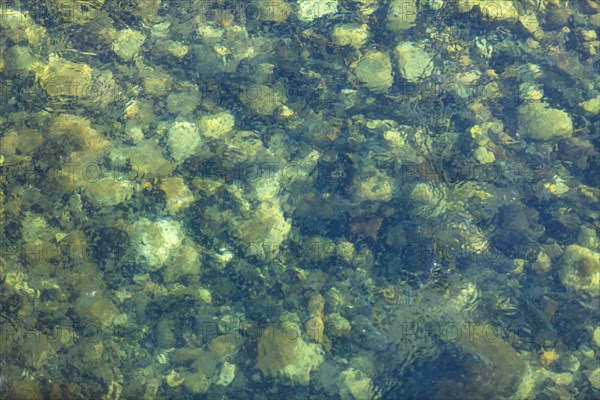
(386, 200)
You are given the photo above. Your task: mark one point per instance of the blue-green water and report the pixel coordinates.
(351, 199)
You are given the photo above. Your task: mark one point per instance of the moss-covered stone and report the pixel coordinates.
(283, 353)
(539, 122)
(374, 71)
(580, 270)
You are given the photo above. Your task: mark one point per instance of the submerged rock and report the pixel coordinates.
(61, 77)
(356, 385)
(494, 369)
(355, 35)
(77, 132)
(183, 140)
(283, 353)
(262, 99)
(216, 126)
(266, 230)
(581, 270)
(26, 389)
(128, 43)
(179, 196)
(156, 242)
(309, 10)
(591, 106)
(374, 71)
(94, 308)
(274, 10)
(492, 10)
(539, 122)
(109, 191)
(402, 15)
(414, 63)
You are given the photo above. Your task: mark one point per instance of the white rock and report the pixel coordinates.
(216, 126)
(226, 375)
(156, 242)
(183, 140)
(128, 43)
(414, 63)
(499, 10)
(309, 10)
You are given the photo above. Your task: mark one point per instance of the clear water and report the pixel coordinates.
(232, 200)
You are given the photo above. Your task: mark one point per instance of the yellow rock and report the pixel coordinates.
(157, 242)
(345, 250)
(315, 328)
(266, 230)
(548, 357)
(179, 196)
(9, 143)
(147, 160)
(479, 134)
(355, 35)
(24, 140)
(25, 389)
(484, 155)
(316, 305)
(402, 15)
(494, 10)
(177, 49)
(466, 5)
(185, 264)
(563, 379)
(77, 131)
(532, 25)
(19, 27)
(216, 126)
(173, 379)
(394, 138)
(76, 170)
(225, 347)
(542, 264)
(128, 43)
(558, 187)
(156, 83)
(65, 78)
(196, 382)
(206, 185)
(538, 121)
(205, 295)
(95, 309)
(591, 106)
